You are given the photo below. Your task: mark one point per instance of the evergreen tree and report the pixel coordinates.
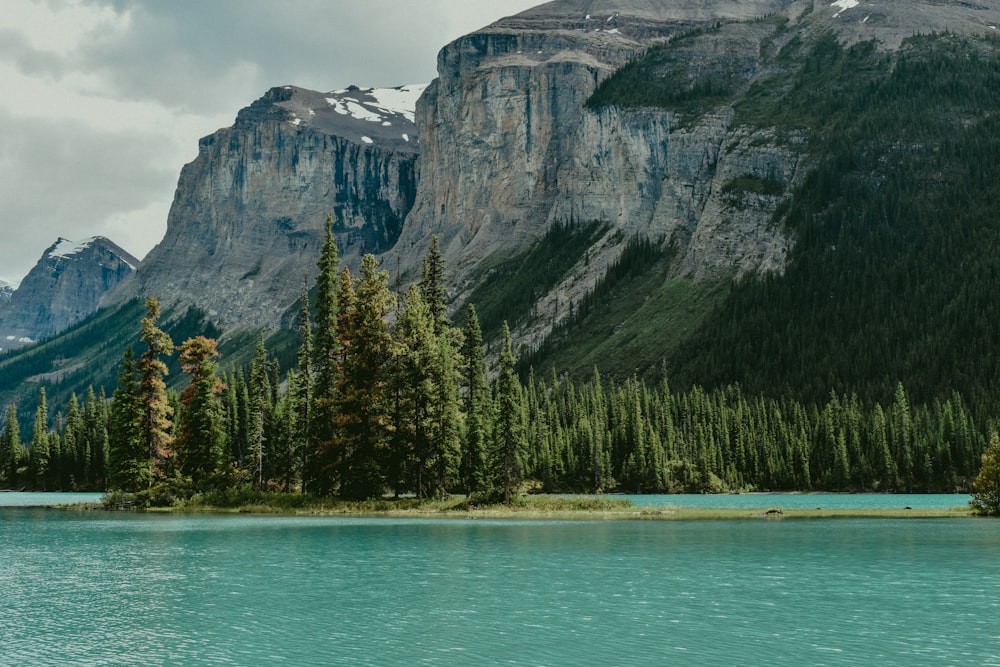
(282, 453)
(433, 287)
(258, 413)
(155, 422)
(477, 406)
(326, 350)
(445, 410)
(362, 392)
(40, 461)
(414, 393)
(76, 448)
(329, 456)
(986, 488)
(201, 441)
(11, 448)
(128, 456)
(95, 416)
(300, 394)
(509, 430)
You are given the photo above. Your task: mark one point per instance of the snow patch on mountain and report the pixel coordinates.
(843, 5)
(380, 116)
(377, 105)
(66, 248)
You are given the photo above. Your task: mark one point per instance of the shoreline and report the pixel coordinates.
(439, 510)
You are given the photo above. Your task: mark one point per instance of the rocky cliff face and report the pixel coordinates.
(508, 146)
(64, 287)
(249, 214)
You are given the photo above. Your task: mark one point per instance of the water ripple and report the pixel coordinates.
(114, 590)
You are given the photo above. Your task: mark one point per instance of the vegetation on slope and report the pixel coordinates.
(85, 355)
(375, 407)
(893, 275)
(628, 324)
(508, 286)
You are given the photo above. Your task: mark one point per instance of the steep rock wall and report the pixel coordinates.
(249, 213)
(508, 146)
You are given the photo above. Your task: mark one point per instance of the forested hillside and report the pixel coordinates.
(893, 273)
(373, 407)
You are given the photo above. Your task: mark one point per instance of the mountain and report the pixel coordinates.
(508, 147)
(794, 195)
(64, 286)
(511, 103)
(6, 290)
(248, 218)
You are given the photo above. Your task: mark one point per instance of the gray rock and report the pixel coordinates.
(249, 214)
(65, 286)
(508, 147)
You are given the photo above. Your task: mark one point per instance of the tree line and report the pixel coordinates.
(388, 397)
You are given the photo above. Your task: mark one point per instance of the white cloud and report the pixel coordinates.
(62, 27)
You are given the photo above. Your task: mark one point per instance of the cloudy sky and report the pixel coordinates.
(103, 101)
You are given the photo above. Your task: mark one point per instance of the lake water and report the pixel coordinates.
(96, 588)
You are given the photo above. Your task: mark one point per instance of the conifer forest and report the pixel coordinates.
(388, 397)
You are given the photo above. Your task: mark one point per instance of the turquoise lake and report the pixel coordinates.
(92, 588)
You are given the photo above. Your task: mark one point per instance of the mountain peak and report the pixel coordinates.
(64, 248)
(65, 286)
(370, 116)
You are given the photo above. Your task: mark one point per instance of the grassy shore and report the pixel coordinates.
(524, 507)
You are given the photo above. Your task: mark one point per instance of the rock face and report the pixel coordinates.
(508, 146)
(6, 291)
(249, 214)
(64, 287)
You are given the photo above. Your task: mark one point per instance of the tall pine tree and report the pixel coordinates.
(300, 395)
(433, 287)
(362, 399)
(509, 428)
(128, 457)
(11, 448)
(258, 414)
(477, 406)
(201, 438)
(155, 423)
(320, 473)
(41, 461)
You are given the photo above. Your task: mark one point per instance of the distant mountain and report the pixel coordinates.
(249, 214)
(64, 286)
(6, 290)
